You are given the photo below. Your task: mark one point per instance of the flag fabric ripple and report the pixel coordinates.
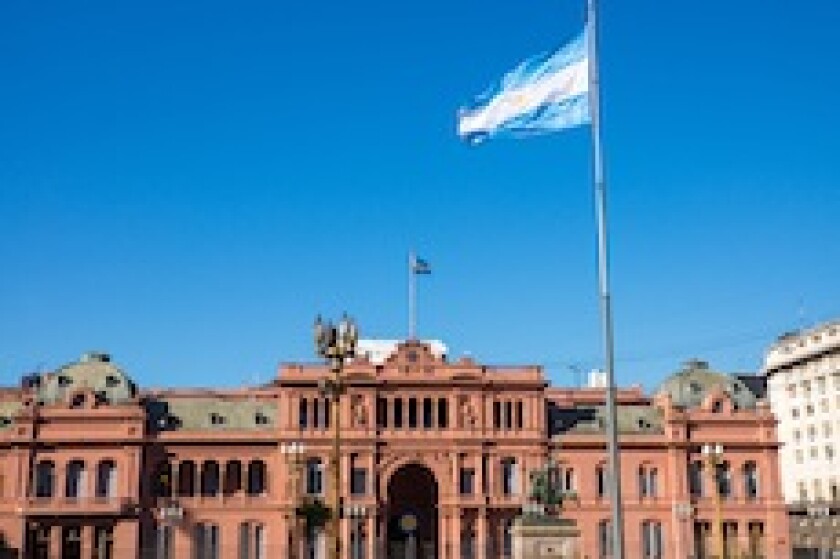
(543, 94)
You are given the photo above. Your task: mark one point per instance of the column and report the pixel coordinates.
(345, 527)
(481, 534)
(455, 538)
(125, 538)
(491, 475)
(444, 544)
(370, 542)
(87, 541)
(55, 542)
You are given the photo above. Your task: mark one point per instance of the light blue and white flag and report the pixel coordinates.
(543, 94)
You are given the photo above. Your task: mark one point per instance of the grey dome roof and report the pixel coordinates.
(689, 386)
(95, 372)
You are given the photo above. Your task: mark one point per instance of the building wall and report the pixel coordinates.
(156, 437)
(803, 372)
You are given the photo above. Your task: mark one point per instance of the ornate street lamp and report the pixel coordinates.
(714, 457)
(293, 453)
(336, 344)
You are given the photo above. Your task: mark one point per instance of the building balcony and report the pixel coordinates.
(72, 506)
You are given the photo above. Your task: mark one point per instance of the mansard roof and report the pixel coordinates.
(588, 418)
(208, 410)
(8, 409)
(689, 387)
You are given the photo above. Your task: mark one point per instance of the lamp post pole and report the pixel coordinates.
(714, 456)
(336, 344)
(293, 453)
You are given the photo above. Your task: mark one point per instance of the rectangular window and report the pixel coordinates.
(412, 413)
(510, 477)
(508, 415)
(427, 413)
(443, 416)
(398, 413)
(467, 481)
(497, 415)
(303, 413)
(695, 479)
(358, 481)
(382, 413)
(520, 412)
(314, 477)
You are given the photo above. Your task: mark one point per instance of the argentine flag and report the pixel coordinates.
(543, 94)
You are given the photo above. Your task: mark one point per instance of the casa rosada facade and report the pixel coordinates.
(435, 462)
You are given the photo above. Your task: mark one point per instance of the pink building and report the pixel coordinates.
(436, 457)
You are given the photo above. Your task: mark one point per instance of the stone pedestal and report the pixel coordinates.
(542, 537)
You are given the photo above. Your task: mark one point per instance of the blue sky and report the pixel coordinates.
(185, 185)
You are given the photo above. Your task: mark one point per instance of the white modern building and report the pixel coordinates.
(803, 377)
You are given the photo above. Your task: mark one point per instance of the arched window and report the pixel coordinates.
(652, 540)
(751, 480)
(251, 541)
(605, 549)
(257, 477)
(186, 478)
(601, 477)
(106, 479)
(163, 541)
(648, 479)
(467, 542)
(507, 538)
(75, 482)
(233, 477)
(695, 478)
(210, 478)
(45, 479)
(653, 482)
(206, 541)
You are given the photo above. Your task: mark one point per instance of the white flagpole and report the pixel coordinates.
(412, 296)
(600, 188)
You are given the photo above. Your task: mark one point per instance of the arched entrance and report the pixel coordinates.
(412, 514)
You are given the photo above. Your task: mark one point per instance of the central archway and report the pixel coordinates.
(412, 513)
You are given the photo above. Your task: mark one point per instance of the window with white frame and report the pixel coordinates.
(206, 541)
(651, 540)
(751, 480)
(314, 476)
(605, 548)
(251, 541)
(510, 476)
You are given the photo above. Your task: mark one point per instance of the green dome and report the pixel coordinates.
(689, 386)
(94, 372)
